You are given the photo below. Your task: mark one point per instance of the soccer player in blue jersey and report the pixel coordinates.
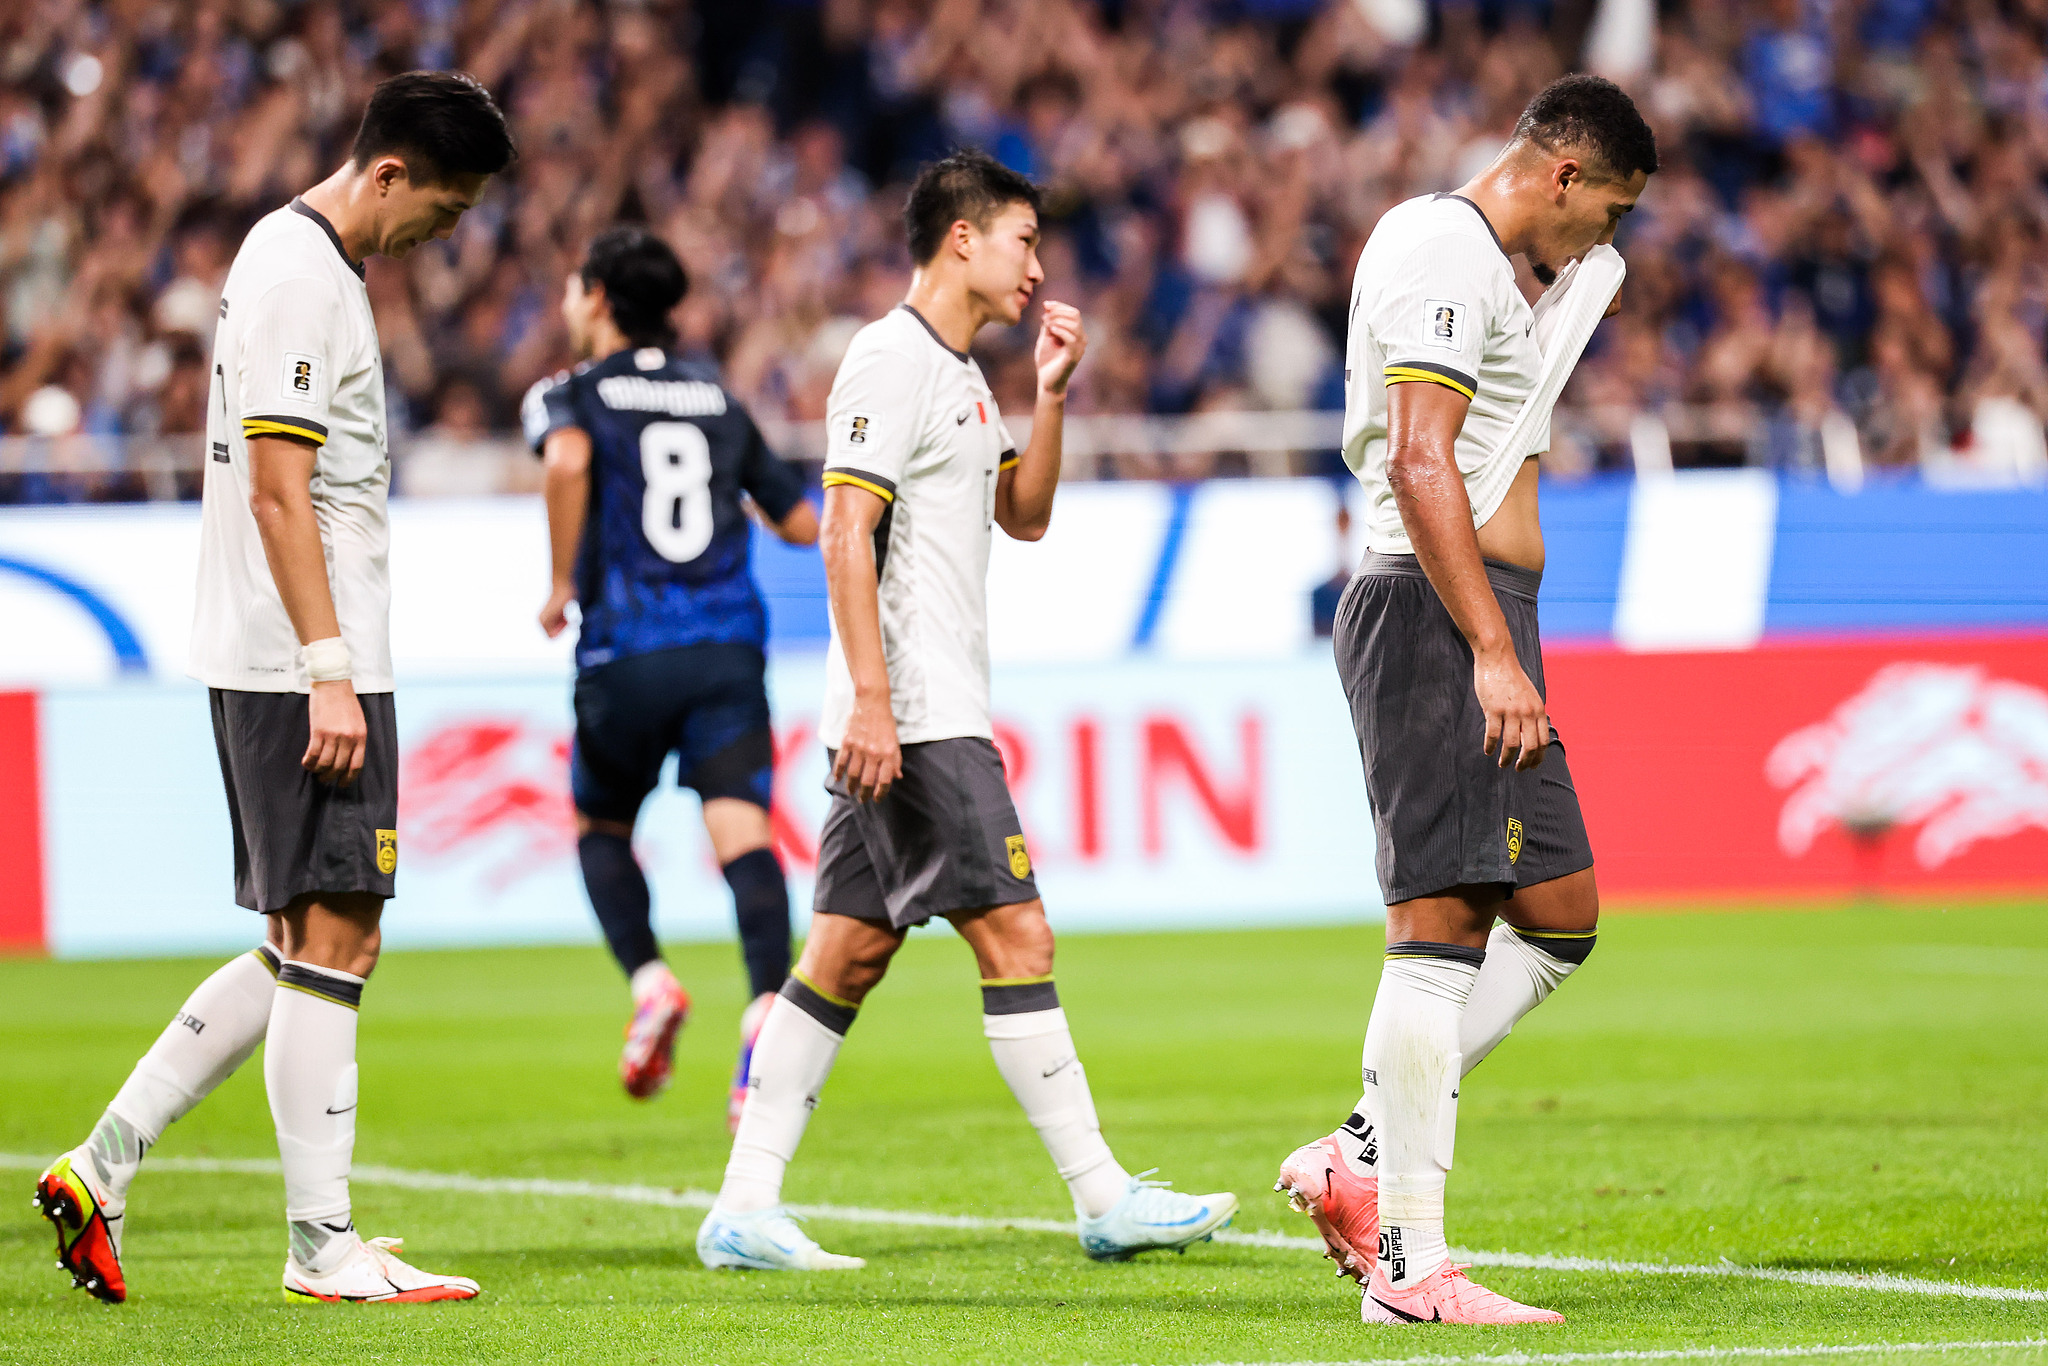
(650, 466)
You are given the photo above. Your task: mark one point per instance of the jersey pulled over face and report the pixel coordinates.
(912, 421)
(1434, 301)
(665, 556)
(296, 356)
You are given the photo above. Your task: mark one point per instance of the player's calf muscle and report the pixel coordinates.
(1008, 941)
(845, 958)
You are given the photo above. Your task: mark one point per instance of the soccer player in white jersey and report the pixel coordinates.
(292, 637)
(1437, 644)
(918, 470)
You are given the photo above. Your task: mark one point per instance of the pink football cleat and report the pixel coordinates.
(1344, 1205)
(1444, 1296)
(651, 1039)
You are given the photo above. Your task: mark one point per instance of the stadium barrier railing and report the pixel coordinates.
(1653, 442)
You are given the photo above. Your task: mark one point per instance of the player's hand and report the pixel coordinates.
(1517, 723)
(554, 615)
(337, 737)
(1061, 342)
(869, 759)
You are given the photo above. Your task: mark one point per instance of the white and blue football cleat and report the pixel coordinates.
(1153, 1216)
(764, 1240)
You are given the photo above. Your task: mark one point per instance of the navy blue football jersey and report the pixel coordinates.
(664, 560)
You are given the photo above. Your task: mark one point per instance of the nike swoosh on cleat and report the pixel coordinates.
(1436, 1315)
(1178, 1223)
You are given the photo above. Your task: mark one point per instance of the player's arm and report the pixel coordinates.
(1423, 421)
(869, 759)
(777, 490)
(799, 526)
(1024, 493)
(281, 498)
(565, 485)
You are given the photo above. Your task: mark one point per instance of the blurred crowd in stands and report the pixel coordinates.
(1849, 222)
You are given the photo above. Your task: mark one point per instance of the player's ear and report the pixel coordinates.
(386, 173)
(962, 237)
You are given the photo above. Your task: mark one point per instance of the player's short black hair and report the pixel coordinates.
(642, 278)
(970, 185)
(442, 123)
(1596, 114)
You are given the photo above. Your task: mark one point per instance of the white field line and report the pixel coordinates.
(1672, 1354)
(667, 1198)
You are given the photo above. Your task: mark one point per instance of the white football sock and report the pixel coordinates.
(215, 1031)
(1517, 977)
(1522, 968)
(310, 1070)
(1034, 1050)
(1357, 1142)
(793, 1055)
(1411, 1069)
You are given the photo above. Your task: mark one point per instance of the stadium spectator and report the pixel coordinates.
(1850, 222)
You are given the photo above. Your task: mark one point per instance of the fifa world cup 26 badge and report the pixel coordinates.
(1020, 862)
(1514, 840)
(387, 852)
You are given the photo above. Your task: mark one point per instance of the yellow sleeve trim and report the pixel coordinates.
(1016, 981)
(839, 1001)
(250, 428)
(1010, 464)
(842, 477)
(1401, 374)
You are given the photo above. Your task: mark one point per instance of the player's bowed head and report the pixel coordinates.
(429, 143)
(1580, 157)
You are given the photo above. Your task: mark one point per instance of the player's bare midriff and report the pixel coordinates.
(1513, 533)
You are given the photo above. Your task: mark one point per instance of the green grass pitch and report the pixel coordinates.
(1858, 1090)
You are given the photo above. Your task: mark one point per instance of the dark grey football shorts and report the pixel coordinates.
(1445, 813)
(945, 839)
(293, 833)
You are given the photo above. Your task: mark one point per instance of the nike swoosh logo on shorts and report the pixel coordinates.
(342, 1111)
(1061, 1067)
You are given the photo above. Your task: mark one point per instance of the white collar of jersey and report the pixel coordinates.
(301, 206)
(933, 331)
(1446, 194)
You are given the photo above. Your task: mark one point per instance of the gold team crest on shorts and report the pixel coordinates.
(1020, 861)
(1514, 839)
(387, 852)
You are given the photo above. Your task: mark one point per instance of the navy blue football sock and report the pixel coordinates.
(760, 901)
(618, 893)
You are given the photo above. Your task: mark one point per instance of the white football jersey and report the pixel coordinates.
(1434, 300)
(912, 421)
(296, 354)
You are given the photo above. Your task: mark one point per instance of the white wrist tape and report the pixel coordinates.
(326, 660)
